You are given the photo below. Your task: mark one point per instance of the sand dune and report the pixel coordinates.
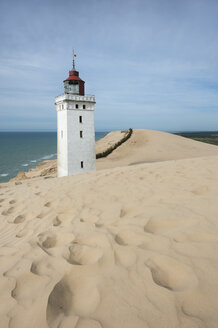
(146, 146)
(132, 246)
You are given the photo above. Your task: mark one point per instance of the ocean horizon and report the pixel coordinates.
(21, 151)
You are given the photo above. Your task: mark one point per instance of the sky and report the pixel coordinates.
(151, 64)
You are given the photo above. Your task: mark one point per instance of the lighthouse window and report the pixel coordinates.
(84, 106)
(80, 119)
(81, 163)
(62, 134)
(81, 134)
(77, 106)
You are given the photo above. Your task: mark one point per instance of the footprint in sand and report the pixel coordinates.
(13, 201)
(171, 274)
(131, 238)
(95, 239)
(9, 211)
(43, 214)
(19, 219)
(72, 295)
(1, 200)
(40, 216)
(23, 233)
(47, 240)
(84, 255)
(56, 222)
(200, 190)
(122, 213)
(161, 226)
(91, 218)
(99, 225)
(48, 204)
(126, 211)
(45, 266)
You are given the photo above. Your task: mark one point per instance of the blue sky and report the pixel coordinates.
(151, 64)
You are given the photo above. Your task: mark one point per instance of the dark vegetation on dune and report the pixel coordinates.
(109, 150)
(208, 137)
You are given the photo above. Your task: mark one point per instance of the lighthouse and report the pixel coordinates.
(75, 127)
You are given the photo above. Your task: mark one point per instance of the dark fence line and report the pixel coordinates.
(115, 146)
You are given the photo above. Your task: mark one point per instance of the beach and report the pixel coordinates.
(134, 244)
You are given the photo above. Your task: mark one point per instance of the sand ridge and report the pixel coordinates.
(133, 246)
(148, 146)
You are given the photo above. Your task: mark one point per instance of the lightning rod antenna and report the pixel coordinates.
(74, 60)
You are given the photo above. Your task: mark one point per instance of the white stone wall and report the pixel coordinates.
(72, 149)
(62, 143)
(81, 149)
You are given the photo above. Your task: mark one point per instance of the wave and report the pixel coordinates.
(32, 162)
(48, 156)
(39, 160)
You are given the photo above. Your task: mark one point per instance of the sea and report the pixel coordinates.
(21, 151)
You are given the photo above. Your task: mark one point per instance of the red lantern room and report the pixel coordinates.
(74, 84)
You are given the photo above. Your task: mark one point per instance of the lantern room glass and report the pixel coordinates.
(71, 88)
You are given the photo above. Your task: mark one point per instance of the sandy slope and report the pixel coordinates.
(147, 146)
(134, 246)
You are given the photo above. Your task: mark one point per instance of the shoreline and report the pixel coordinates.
(48, 168)
(24, 150)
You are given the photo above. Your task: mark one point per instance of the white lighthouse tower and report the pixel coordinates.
(75, 130)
